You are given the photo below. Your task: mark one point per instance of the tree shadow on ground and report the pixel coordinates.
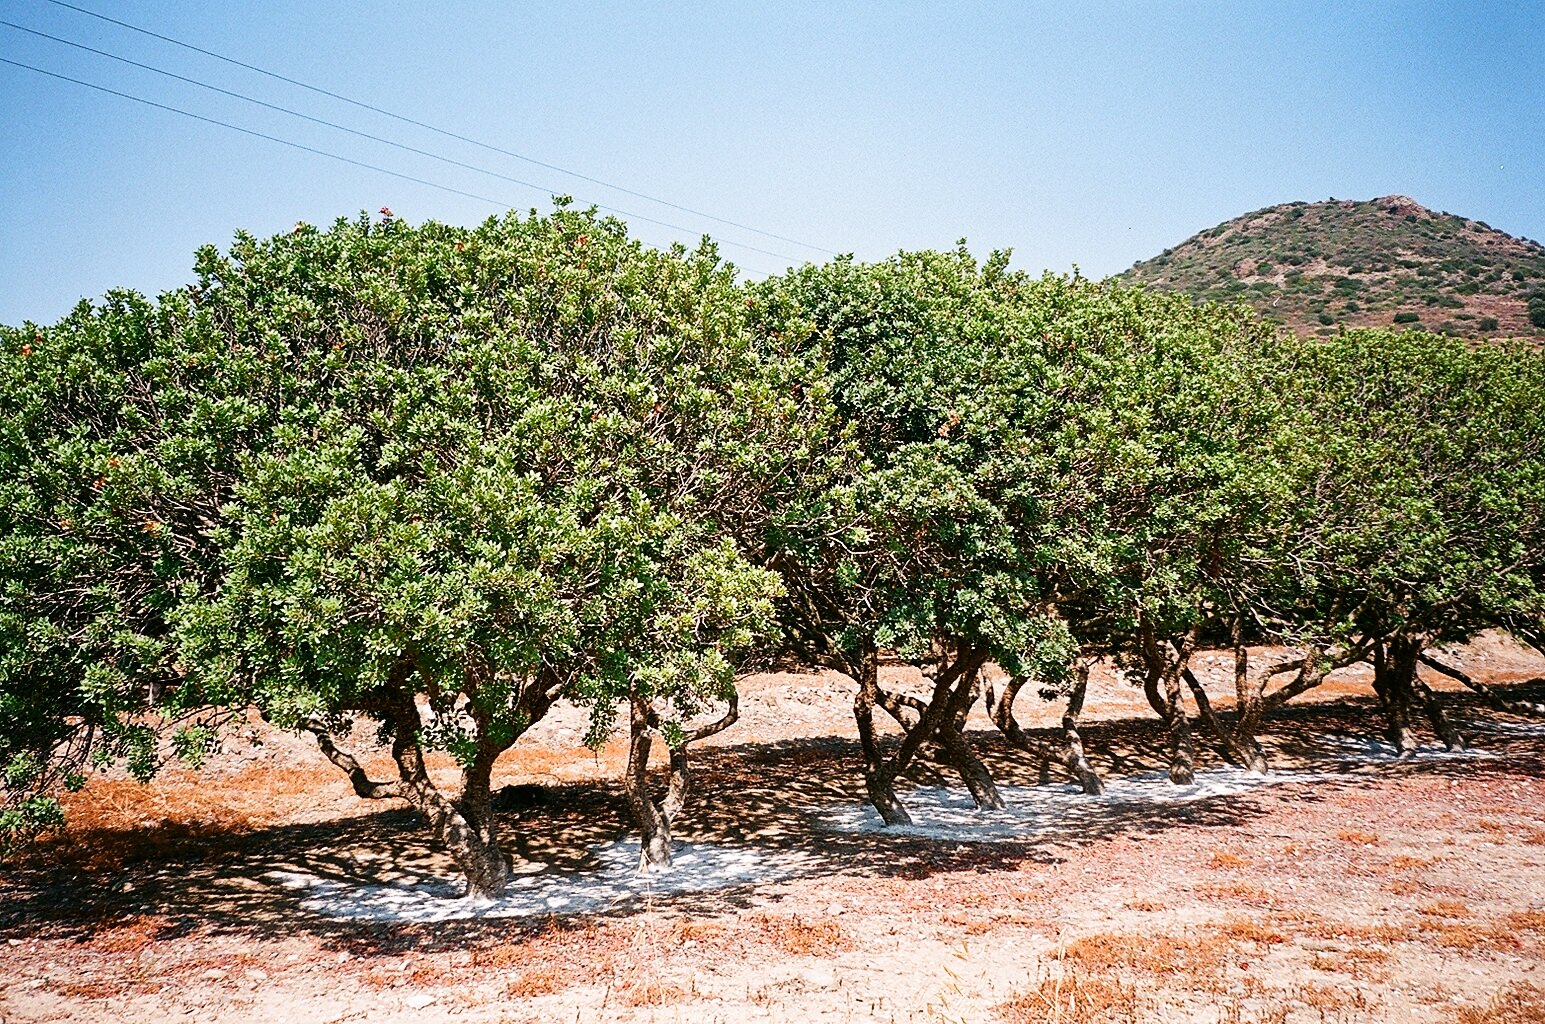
(764, 795)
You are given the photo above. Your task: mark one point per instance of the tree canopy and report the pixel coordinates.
(424, 482)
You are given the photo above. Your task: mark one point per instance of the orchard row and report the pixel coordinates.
(437, 479)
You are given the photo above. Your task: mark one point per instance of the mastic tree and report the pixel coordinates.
(905, 543)
(119, 444)
(1419, 513)
(489, 469)
(1141, 468)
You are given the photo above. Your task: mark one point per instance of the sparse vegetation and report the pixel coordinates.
(1388, 253)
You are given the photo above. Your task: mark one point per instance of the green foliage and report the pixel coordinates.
(358, 471)
(1420, 487)
(452, 460)
(1537, 309)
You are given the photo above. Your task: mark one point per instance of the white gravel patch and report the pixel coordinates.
(1506, 728)
(616, 881)
(1366, 750)
(1049, 812)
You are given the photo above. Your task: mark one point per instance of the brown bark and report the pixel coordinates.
(1246, 755)
(952, 737)
(879, 784)
(1492, 697)
(656, 817)
(951, 697)
(1164, 662)
(1070, 752)
(465, 826)
(1394, 669)
(1442, 725)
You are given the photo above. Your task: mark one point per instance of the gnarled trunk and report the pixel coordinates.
(952, 737)
(1492, 697)
(1394, 669)
(953, 693)
(879, 778)
(1070, 752)
(465, 826)
(1164, 661)
(1442, 725)
(655, 817)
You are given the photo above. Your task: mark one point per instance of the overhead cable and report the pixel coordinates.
(302, 146)
(445, 132)
(367, 135)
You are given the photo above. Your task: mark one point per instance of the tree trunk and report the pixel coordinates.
(465, 826)
(952, 696)
(1248, 756)
(654, 824)
(1070, 752)
(1394, 666)
(655, 818)
(978, 781)
(1492, 697)
(1441, 724)
(1248, 696)
(1182, 764)
(879, 783)
(1164, 661)
(472, 846)
(1073, 751)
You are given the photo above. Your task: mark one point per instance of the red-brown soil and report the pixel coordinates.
(1392, 892)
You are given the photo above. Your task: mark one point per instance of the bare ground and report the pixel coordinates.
(1380, 892)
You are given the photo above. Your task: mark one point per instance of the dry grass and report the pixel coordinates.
(1528, 921)
(1444, 908)
(1359, 964)
(1225, 859)
(1147, 906)
(1357, 838)
(538, 981)
(1405, 862)
(1162, 955)
(89, 990)
(1332, 1003)
(1244, 929)
(799, 937)
(1316, 926)
(1247, 891)
(132, 936)
(652, 993)
(706, 932)
(1519, 1003)
(1073, 998)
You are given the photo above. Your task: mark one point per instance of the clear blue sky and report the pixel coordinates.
(1075, 133)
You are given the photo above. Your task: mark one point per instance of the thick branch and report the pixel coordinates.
(363, 785)
(1495, 699)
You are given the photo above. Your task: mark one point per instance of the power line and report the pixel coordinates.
(436, 129)
(273, 138)
(372, 137)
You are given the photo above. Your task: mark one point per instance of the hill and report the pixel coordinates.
(1316, 266)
